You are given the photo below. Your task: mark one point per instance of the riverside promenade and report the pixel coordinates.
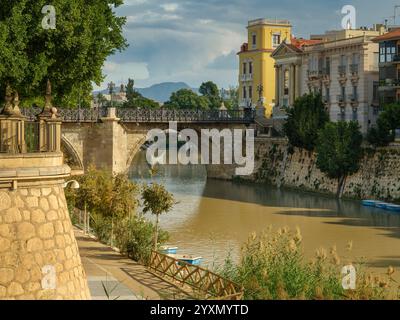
(114, 277)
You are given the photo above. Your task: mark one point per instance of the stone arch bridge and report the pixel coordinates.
(110, 138)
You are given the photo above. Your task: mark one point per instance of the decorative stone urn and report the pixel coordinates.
(39, 256)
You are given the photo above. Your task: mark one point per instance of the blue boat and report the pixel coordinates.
(187, 258)
(393, 207)
(168, 250)
(381, 205)
(370, 203)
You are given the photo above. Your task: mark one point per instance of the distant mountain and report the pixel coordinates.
(159, 92)
(162, 92)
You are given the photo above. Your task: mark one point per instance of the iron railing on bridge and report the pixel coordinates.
(189, 116)
(150, 116)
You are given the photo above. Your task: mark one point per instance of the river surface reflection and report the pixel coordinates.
(214, 218)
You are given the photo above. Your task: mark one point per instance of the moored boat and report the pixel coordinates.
(370, 203)
(381, 205)
(393, 207)
(168, 250)
(187, 258)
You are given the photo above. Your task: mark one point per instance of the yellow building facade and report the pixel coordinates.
(257, 67)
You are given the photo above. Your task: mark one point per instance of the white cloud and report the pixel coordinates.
(170, 7)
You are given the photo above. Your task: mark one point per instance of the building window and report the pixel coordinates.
(355, 93)
(250, 92)
(276, 40)
(355, 114)
(286, 83)
(327, 66)
(250, 67)
(387, 51)
(254, 40)
(244, 68)
(244, 93)
(327, 95)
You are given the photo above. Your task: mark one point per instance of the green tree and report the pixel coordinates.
(210, 91)
(136, 100)
(101, 99)
(339, 151)
(187, 99)
(111, 197)
(131, 93)
(157, 200)
(231, 99)
(305, 118)
(71, 56)
(384, 132)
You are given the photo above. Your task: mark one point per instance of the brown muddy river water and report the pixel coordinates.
(214, 218)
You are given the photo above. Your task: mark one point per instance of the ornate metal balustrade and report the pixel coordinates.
(70, 115)
(187, 116)
(150, 116)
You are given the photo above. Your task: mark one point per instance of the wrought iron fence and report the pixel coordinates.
(196, 116)
(150, 115)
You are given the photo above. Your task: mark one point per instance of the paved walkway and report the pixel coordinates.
(113, 277)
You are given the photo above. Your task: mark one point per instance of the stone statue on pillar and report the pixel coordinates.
(8, 107)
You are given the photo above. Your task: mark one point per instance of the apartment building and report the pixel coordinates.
(342, 66)
(389, 67)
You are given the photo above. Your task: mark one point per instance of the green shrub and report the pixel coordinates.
(135, 236)
(272, 267)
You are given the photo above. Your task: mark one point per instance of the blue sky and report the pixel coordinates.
(197, 40)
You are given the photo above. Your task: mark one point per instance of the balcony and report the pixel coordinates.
(326, 100)
(354, 69)
(246, 77)
(314, 74)
(341, 99)
(353, 98)
(389, 84)
(342, 70)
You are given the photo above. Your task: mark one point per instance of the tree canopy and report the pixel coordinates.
(384, 132)
(339, 150)
(305, 118)
(71, 56)
(187, 99)
(136, 100)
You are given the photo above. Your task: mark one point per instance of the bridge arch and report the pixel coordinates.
(71, 156)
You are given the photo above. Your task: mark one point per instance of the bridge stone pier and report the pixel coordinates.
(111, 140)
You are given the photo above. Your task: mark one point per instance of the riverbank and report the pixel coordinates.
(278, 164)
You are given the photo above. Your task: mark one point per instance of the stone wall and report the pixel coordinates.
(36, 231)
(378, 177)
(39, 256)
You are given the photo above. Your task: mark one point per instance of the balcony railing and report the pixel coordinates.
(341, 98)
(354, 68)
(342, 70)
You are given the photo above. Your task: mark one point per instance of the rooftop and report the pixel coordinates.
(269, 21)
(392, 35)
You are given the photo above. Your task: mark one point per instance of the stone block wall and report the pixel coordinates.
(35, 232)
(378, 177)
